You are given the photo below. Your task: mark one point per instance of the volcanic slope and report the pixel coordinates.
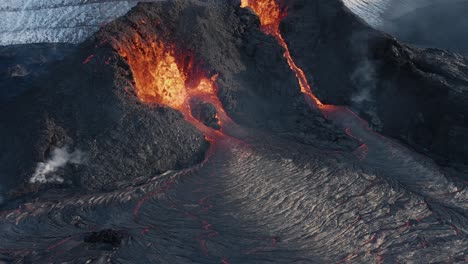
(268, 191)
(415, 172)
(418, 96)
(124, 137)
(260, 201)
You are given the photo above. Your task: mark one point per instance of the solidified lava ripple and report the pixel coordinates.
(261, 199)
(264, 201)
(421, 175)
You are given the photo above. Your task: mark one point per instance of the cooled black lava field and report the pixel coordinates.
(253, 131)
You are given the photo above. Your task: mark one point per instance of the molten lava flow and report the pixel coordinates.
(271, 15)
(157, 76)
(164, 76)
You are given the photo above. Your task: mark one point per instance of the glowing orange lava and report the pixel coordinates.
(271, 15)
(164, 76)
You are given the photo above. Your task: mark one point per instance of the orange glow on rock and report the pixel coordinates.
(271, 15)
(158, 78)
(268, 11)
(164, 75)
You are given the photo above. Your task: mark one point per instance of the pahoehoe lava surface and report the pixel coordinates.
(285, 184)
(265, 201)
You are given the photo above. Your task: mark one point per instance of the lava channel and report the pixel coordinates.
(375, 149)
(271, 15)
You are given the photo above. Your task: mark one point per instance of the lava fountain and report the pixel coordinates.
(166, 75)
(271, 15)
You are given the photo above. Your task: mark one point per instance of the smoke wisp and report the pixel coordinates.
(60, 158)
(364, 77)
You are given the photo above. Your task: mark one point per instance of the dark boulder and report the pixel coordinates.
(206, 113)
(106, 236)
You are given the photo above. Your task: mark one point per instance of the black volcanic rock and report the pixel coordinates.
(443, 25)
(419, 96)
(20, 65)
(259, 197)
(256, 86)
(88, 106)
(206, 113)
(106, 236)
(86, 103)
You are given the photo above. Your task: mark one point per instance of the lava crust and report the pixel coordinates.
(183, 132)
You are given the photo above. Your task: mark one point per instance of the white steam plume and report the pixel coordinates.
(60, 158)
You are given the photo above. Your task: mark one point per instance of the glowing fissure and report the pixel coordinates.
(271, 15)
(165, 76)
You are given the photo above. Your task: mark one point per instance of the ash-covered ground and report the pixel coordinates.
(91, 174)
